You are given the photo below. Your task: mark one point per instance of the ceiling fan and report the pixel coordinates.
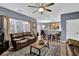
(42, 7)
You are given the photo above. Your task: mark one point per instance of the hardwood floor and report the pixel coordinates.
(62, 45)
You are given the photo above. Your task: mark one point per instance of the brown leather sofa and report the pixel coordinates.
(20, 40)
(73, 47)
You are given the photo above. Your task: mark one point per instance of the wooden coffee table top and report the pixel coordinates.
(36, 44)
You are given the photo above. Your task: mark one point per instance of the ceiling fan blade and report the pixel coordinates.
(33, 6)
(49, 4)
(48, 10)
(35, 11)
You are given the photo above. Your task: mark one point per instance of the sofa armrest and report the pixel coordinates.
(70, 50)
(73, 42)
(76, 50)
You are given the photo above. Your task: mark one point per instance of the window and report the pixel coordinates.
(19, 26)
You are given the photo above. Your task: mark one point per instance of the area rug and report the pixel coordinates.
(53, 50)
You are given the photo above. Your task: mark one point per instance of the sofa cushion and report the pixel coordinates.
(31, 38)
(17, 39)
(22, 41)
(14, 35)
(20, 35)
(25, 34)
(17, 35)
(26, 37)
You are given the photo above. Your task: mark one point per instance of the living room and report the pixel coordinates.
(22, 27)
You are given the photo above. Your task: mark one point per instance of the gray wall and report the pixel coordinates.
(13, 14)
(64, 17)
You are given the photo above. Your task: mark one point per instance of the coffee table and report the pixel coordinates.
(38, 47)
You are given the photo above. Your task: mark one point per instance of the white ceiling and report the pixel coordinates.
(57, 9)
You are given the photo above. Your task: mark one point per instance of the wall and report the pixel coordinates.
(64, 18)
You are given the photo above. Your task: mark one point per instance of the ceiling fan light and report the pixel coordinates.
(41, 9)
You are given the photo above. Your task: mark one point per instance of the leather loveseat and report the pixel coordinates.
(73, 47)
(20, 40)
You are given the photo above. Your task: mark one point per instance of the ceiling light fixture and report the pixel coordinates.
(41, 9)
